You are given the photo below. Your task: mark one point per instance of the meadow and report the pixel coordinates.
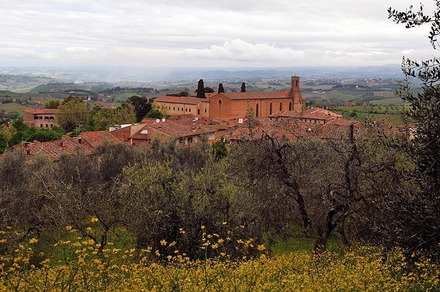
(77, 264)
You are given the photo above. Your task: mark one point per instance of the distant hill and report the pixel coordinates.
(21, 82)
(146, 75)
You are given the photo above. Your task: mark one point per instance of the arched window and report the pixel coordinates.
(270, 108)
(290, 106)
(281, 106)
(257, 110)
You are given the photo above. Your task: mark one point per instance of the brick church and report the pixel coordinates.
(235, 105)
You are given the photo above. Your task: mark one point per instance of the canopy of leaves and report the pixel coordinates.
(73, 112)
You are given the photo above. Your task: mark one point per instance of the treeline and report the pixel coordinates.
(268, 190)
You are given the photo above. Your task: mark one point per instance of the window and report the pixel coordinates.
(257, 110)
(190, 140)
(198, 111)
(205, 110)
(290, 106)
(270, 108)
(41, 125)
(281, 106)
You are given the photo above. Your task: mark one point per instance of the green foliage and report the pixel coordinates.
(141, 106)
(201, 89)
(3, 143)
(415, 221)
(43, 134)
(53, 104)
(18, 132)
(219, 149)
(155, 114)
(103, 118)
(73, 113)
(221, 88)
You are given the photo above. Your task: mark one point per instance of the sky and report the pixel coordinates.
(207, 33)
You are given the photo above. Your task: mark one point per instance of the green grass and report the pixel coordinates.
(303, 244)
(13, 107)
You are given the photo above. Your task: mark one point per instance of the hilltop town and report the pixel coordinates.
(209, 117)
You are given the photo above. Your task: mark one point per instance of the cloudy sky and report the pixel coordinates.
(206, 33)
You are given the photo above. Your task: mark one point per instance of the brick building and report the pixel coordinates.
(40, 117)
(235, 105)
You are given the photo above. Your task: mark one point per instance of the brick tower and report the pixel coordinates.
(298, 103)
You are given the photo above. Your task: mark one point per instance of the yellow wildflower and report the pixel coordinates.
(261, 247)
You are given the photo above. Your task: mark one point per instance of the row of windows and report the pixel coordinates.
(47, 126)
(181, 109)
(44, 118)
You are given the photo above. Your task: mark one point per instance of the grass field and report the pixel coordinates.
(13, 107)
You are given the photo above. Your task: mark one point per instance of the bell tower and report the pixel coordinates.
(298, 103)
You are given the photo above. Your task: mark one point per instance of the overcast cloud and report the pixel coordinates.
(205, 33)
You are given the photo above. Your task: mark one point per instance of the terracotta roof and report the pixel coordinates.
(96, 138)
(53, 149)
(39, 111)
(314, 113)
(176, 129)
(256, 95)
(85, 143)
(181, 99)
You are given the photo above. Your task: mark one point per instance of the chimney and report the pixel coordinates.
(295, 94)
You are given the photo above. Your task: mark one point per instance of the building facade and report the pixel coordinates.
(177, 105)
(40, 117)
(235, 105)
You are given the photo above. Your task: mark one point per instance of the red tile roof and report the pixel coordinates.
(39, 111)
(181, 99)
(85, 143)
(314, 113)
(177, 129)
(54, 149)
(96, 138)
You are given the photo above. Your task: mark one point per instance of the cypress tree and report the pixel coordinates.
(201, 89)
(220, 88)
(243, 87)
